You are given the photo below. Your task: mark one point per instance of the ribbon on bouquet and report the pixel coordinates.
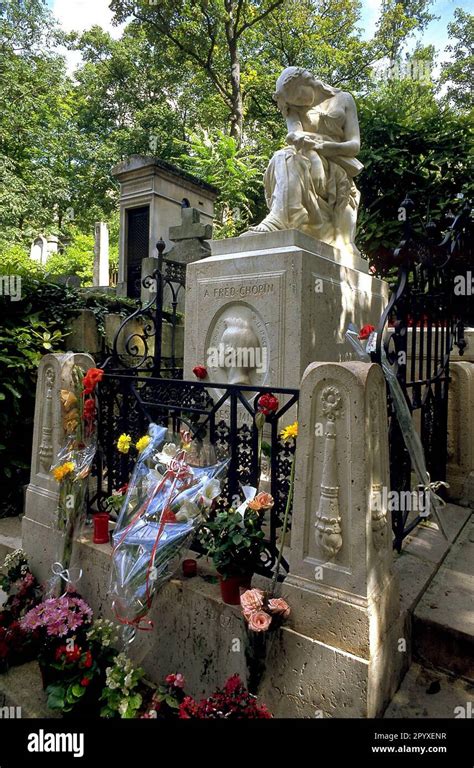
(65, 574)
(178, 470)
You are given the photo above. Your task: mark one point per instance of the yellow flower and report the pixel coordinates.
(290, 432)
(123, 443)
(141, 444)
(65, 469)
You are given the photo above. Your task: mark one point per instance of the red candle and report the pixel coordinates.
(189, 568)
(101, 528)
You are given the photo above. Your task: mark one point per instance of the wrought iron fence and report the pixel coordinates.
(423, 321)
(218, 415)
(138, 343)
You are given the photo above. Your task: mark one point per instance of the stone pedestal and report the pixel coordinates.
(460, 468)
(283, 298)
(39, 536)
(341, 587)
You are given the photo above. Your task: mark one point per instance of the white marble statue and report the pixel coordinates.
(309, 185)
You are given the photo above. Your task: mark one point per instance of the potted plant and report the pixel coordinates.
(234, 540)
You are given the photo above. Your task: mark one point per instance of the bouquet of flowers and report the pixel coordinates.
(166, 501)
(73, 463)
(23, 590)
(263, 615)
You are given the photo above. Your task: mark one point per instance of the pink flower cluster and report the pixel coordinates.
(58, 616)
(177, 681)
(261, 611)
(232, 702)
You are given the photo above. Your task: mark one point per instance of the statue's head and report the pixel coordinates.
(297, 87)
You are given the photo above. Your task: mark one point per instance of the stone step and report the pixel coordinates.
(427, 693)
(443, 620)
(21, 692)
(10, 535)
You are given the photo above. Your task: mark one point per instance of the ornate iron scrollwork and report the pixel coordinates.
(424, 319)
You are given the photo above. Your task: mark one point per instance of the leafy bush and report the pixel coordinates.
(36, 324)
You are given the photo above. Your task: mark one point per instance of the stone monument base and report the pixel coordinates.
(283, 298)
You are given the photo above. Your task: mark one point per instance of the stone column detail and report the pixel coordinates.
(328, 520)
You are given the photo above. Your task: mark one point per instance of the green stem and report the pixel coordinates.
(285, 525)
(259, 454)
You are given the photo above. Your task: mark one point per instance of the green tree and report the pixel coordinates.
(412, 143)
(208, 33)
(35, 126)
(458, 73)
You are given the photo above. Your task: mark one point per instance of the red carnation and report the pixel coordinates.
(268, 404)
(91, 379)
(200, 372)
(365, 331)
(85, 682)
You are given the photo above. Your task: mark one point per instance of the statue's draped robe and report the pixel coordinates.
(291, 195)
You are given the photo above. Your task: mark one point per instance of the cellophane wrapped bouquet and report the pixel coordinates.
(168, 498)
(73, 464)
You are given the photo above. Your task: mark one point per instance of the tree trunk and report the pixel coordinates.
(237, 111)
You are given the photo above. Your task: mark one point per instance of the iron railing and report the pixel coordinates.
(422, 322)
(221, 416)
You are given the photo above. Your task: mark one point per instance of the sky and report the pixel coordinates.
(82, 14)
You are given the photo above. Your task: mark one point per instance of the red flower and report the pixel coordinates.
(233, 685)
(88, 660)
(59, 652)
(85, 682)
(200, 372)
(176, 680)
(91, 379)
(268, 404)
(89, 409)
(365, 331)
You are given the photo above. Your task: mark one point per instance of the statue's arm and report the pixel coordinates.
(296, 132)
(350, 147)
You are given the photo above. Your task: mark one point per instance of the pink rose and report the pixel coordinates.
(252, 599)
(259, 621)
(279, 606)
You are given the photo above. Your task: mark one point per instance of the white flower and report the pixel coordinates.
(188, 511)
(210, 491)
(128, 680)
(249, 492)
(167, 453)
(123, 706)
